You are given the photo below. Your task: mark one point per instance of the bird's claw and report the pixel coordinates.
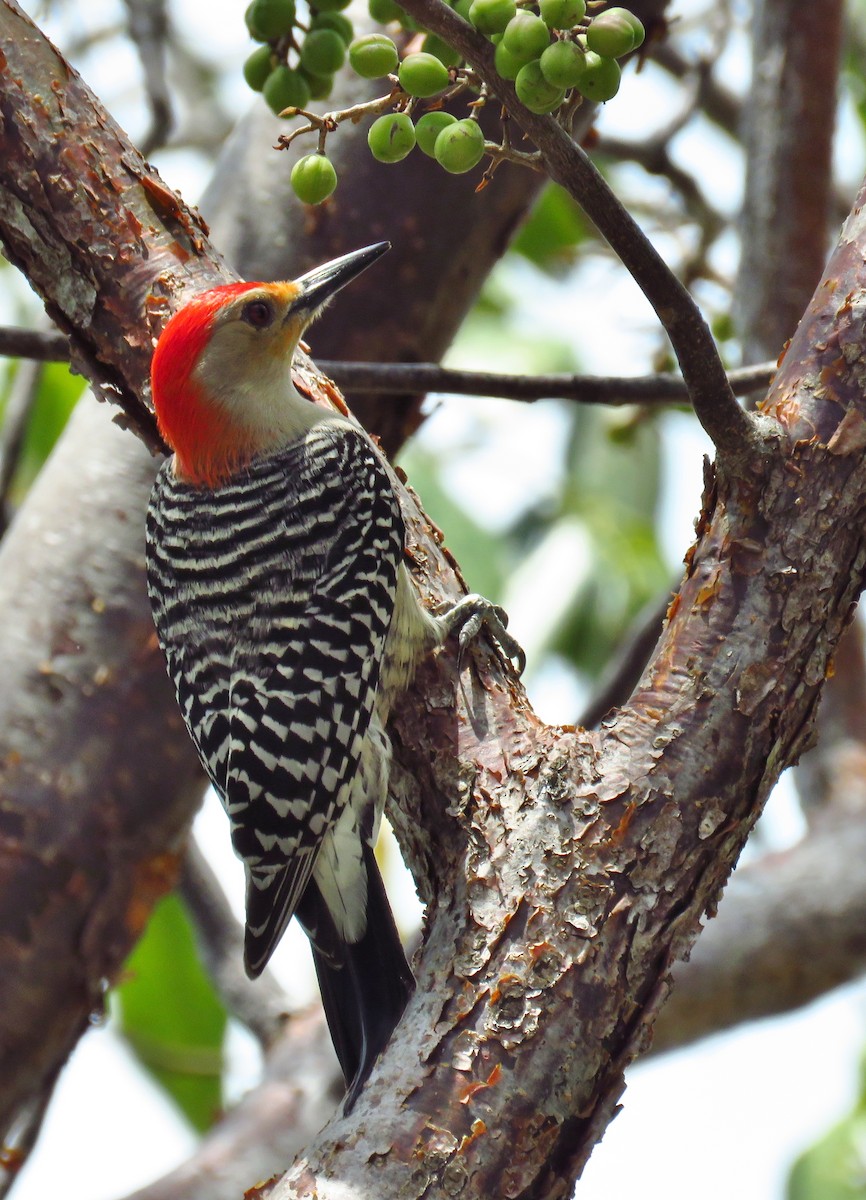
(473, 613)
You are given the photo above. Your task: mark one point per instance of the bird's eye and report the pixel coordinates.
(258, 313)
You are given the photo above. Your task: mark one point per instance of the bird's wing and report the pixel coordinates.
(306, 672)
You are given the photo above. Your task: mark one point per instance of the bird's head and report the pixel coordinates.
(221, 371)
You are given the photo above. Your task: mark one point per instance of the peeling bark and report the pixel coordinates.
(90, 834)
(95, 795)
(584, 861)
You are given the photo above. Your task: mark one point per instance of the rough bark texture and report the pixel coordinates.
(788, 927)
(585, 861)
(94, 794)
(88, 836)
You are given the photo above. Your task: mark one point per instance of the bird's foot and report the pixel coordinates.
(472, 613)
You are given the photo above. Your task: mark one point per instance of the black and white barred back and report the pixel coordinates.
(272, 598)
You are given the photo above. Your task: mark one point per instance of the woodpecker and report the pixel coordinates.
(289, 624)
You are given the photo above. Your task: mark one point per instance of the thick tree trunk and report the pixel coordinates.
(581, 864)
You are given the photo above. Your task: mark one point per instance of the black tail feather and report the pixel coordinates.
(365, 985)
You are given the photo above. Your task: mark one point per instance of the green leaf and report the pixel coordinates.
(554, 230)
(59, 391)
(853, 74)
(835, 1167)
(171, 1016)
(610, 493)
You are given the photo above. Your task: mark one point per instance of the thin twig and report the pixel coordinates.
(18, 1145)
(585, 389)
(721, 105)
(655, 158)
(430, 377)
(263, 1006)
(732, 430)
(148, 30)
(41, 345)
(329, 122)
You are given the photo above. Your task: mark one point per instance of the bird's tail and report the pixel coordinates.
(365, 985)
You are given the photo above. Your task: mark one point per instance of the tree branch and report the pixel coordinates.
(790, 928)
(269, 1126)
(789, 178)
(584, 389)
(721, 105)
(399, 378)
(148, 30)
(16, 415)
(731, 430)
(96, 795)
(581, 863)
(41, 345)
(262, 1006)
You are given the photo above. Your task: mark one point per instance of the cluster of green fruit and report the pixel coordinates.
(551, 49)
(555, 51)
(295, 63)
(458, 146)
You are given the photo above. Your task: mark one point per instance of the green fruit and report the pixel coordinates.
(442, 50)
(506, 64)
(526, 36)
(336, 21)
(385, 11)
(636, 24)
(563, 64)
(269, 19)
(611, 34)
(323, 52)
(601, 78)
(491, 16)
(423, 75)
(373, 56)
(623, 14)
(254, 33)
(428, 128)
(285, 88)
(320, 86)
(535, 91)
(562, 14)
(462, 8)
(258, 67)
(460, 147)
(391, 137)
(313, 178)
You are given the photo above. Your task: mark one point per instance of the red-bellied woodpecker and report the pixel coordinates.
(289, 623)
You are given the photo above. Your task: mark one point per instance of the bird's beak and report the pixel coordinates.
(318, 286)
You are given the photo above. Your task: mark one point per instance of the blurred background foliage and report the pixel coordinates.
(168, 1011)
(561, 512)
